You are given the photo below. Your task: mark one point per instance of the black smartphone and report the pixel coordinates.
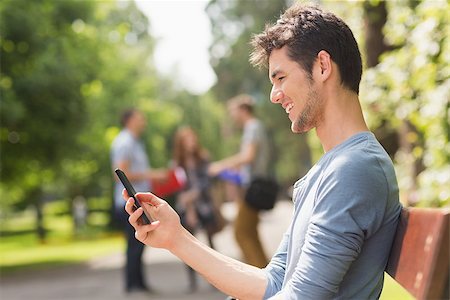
(146, 218)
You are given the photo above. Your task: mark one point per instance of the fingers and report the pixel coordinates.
(141, 235)
(149, 198)
(125, 195)
(142, 232)
(134, 217)
(134, 213)
(129, 206)
(144, 197)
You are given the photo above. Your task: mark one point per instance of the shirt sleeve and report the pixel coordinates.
(348, 209)
(276, 269)
(252, 134)
(122, 152)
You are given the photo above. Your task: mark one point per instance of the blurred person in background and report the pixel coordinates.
(252, 161)
(346, 208)
(194, 203)
(128, 154)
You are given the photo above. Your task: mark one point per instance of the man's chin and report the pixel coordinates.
(297, 129)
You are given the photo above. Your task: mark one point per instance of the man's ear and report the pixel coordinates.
(324, 65)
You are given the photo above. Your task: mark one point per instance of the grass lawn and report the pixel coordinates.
(21, 249)
(29, 253)
(393, 291)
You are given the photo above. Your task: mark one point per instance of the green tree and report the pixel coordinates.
(410, 87)
(44, 64)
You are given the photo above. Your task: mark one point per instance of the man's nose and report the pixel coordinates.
(276, 95)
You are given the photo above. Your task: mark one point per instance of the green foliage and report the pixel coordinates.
(42, 107)
(412, 84)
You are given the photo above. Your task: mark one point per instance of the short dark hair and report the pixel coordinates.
(243, 101)
(306, 30)
(126, 116)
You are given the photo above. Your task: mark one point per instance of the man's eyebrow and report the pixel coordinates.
(274, 74)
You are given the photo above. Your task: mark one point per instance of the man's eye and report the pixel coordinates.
(281, 78)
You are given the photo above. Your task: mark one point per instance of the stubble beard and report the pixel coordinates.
(310, 115)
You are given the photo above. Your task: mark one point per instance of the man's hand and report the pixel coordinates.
(215, 168)
(161, 233)
(158, 174)
(230, 276)
(245, 156)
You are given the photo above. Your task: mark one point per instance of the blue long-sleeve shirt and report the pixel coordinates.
(345, 217)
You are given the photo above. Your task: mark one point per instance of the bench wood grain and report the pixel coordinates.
(419, 259)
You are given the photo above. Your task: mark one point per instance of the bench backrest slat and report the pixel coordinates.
(419, 258)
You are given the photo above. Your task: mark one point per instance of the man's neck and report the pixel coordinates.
(342, 118)
(134, 133)
(247, 120)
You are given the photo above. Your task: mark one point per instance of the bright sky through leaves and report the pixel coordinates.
(182, 31)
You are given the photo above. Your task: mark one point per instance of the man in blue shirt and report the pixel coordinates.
(128, 154)
(346, 207)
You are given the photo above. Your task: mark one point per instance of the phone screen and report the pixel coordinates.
(146, 218)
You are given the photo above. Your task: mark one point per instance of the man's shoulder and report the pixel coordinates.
(123, 139)
(350, 158)
(254, 130)
(362, 156)
(368, 165)
(254, 124)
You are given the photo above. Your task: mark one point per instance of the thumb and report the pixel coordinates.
(149, 198)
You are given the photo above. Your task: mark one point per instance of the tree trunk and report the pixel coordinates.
(375, 17)
(39, 208)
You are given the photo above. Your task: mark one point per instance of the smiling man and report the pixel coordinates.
(346, 208)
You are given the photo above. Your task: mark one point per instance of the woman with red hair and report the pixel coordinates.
(194, 203)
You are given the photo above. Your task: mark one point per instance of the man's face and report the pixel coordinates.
(295, 91)
(138, 122)
(190, 142)
(236, 114)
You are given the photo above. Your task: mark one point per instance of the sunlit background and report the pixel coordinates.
(68, 68)
(175, 23)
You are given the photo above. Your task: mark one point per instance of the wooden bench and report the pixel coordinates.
(419, 259)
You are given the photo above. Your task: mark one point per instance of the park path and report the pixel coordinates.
(101, 278)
